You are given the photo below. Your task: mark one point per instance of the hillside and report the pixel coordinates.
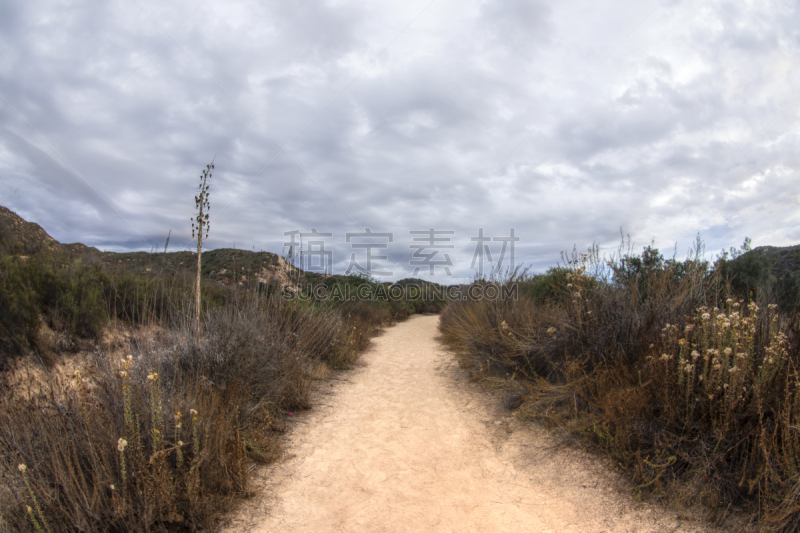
(225, 265)
(21, 238)
(767, 268)
(779, 261)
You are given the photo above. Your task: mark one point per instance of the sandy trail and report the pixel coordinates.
(406, 443)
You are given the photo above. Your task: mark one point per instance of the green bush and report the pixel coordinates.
(78, 299)
(542, 288)
(19, 307)
(68, 297)
(750, 277)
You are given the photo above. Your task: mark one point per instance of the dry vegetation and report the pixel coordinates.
(687, 377)
(159, 432)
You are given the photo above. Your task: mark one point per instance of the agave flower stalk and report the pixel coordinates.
(200, 224)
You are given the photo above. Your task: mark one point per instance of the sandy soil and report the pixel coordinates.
(405, 443)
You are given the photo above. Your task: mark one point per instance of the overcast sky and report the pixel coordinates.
(568, 121)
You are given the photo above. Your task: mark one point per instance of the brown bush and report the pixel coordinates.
(687, 389)
(162, 440)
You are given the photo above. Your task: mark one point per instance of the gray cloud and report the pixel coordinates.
(540, 116)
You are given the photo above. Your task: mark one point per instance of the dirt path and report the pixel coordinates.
(405, 443)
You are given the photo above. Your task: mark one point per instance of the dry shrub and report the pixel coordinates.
(727, 387)
(360, 320)
(696, 394)
(121, 449)
(162, 440)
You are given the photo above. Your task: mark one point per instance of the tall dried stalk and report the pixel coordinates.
(199, 223)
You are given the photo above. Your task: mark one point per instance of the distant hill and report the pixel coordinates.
(779, 261)
(226, 265)
(764, 261)
(771, 268)
(21, 238)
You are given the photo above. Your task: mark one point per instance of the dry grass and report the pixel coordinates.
(163, 440)
(695, 394)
